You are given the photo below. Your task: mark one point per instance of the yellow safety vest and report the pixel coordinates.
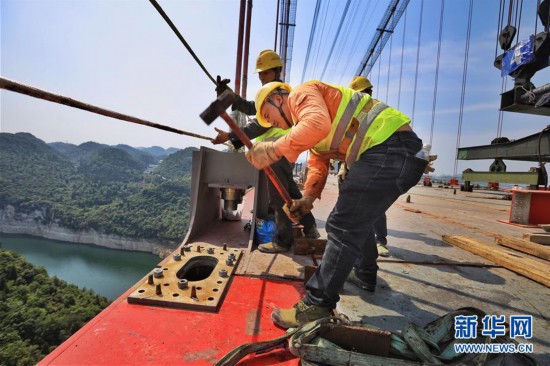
(272, 134)
(360, 123)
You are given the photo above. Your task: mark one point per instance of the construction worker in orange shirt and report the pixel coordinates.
(378, 146)
(268, 67)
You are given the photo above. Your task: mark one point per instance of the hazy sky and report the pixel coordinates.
(121, 55)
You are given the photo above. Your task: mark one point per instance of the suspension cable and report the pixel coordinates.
(402, 53)
(501, 112)
(311, 35)
(342, 19)
(537, 16)
(464, 76)
(378, 78)
(60, 99)
(500, 15)
(417, 58)
(358, 37)
(437, 69)
(389, 69)
(178, 34)
(327, 2)
(518, 19)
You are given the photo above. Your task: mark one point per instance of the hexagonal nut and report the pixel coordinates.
(183, 284)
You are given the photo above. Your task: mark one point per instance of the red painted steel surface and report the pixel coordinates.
(125, 334)
(540, 208)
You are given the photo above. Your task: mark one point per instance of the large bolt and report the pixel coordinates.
(158, 273)
(150, 280)
(224, 246)
(210, 250)
(183, 284)
(231, 256)
(223, 273)
(177, 257)
(229, 261)
(159, 290)
(194, 293)
(187, 247)
(182, 251)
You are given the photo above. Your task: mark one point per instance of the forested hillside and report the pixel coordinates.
(37, 312)
(95, 186)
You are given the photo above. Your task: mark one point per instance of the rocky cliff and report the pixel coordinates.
(14, 222)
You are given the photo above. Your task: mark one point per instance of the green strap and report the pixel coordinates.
(238, 353)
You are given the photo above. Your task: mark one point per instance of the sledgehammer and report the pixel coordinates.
(217, 109)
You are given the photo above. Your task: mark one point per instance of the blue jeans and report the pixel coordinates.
(373, 184)
(381, 230)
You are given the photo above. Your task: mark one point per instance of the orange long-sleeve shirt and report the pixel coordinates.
(313, 107)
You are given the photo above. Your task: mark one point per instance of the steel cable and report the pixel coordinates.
(178, 34)
(437, 70)
(417, 59)
(60, 99)
(389, 70)
(311, 36)
(402, 53)
(464, 76)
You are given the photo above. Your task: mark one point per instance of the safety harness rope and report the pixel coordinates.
(56, 98)
(432, 344)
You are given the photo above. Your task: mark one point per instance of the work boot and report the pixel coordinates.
(272, 247)
(353, 278)
(383, 250)
(299, 315)
(312, 233)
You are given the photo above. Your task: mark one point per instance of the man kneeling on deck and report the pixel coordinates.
(379, 148)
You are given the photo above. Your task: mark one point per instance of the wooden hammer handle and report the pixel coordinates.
(268, 170)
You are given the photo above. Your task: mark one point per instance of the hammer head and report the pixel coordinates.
(217, 107)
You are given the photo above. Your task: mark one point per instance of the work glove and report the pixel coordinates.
(221, 138)
(299, 208)
(221, 85)
(262, 154)
(342, 172)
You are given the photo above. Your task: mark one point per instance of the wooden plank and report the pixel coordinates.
(303, 246)
(524, 246)
(537, 270)
(543, 239)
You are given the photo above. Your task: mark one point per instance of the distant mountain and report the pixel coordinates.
(158, 151)
(176, 165)
(77, 153)
(143, 157)
(95, 186)
(112, 165)
(29, 163)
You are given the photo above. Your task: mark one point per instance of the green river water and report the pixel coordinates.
(108, 272)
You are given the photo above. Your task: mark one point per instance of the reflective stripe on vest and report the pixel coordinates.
(346, 117)
(369, 112)
(365, 119)
(272, 134)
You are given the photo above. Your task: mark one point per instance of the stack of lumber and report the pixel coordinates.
(528, 259)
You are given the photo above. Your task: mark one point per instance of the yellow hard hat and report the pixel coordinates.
(261, 96)
(360, 83)
(267, 59)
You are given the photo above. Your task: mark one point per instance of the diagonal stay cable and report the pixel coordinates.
(20, 88)
(178, 34)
